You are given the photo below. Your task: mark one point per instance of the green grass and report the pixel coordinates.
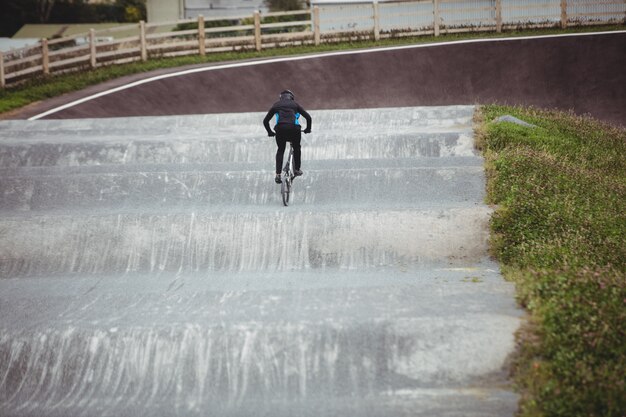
(47, 87)
(559, 229)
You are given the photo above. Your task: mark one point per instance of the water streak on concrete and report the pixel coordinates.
(148, 268)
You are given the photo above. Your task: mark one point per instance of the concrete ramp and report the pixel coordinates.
(148, 268)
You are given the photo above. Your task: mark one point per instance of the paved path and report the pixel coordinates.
(148, 268)
(580, 72)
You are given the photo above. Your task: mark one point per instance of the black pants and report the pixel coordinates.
(284, 134)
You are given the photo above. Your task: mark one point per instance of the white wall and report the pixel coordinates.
(164, 10)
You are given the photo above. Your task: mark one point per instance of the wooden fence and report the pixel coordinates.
(143, 41)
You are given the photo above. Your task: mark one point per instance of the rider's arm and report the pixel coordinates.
(266, 120)
(307, 116)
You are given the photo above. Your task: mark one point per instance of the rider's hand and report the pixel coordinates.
(271, 134)
(307, 130)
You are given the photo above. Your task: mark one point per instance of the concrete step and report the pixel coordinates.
(276, 344)
(245, 124)
(146, 149)
(398, 133)
(317, 164)
(224, 240)
(462, 402)
(151, 187)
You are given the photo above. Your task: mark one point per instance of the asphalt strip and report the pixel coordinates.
(300, 58)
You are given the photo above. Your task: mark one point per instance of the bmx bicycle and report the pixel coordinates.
(287, 177)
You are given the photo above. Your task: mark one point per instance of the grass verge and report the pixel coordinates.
(47, 87)
(559, 230)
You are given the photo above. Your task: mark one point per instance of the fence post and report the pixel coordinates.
(45, 57)
(499, 16)
(316, 25)
(563, 14)
(376, 20)
(2, 80)
(201, 36)
(142, 41)
(92, 48)
(257, 30)
(436, 16)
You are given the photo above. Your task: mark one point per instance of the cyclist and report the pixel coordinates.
(287, 128)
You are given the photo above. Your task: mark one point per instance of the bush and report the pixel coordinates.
(559, 229)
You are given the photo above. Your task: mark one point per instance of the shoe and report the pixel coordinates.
(297, 173)
(277, 179)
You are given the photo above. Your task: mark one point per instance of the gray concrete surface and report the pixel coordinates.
(148, 268)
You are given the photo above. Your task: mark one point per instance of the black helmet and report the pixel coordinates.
(287, 94)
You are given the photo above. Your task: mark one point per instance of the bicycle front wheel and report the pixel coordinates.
(285, 190)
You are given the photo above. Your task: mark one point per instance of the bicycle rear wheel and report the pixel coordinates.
(285, 187)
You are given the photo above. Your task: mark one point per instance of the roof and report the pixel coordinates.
(7, 44)
(49, 31)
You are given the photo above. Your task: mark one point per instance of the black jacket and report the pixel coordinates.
(287, 113)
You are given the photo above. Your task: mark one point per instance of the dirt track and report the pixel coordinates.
(582, 73)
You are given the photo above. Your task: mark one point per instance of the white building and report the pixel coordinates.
(342, 2)
(172, 10)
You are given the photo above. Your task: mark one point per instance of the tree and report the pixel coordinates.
(134, 10)
(44, 9)
(285, 5)
(15, 13)
(132, 14)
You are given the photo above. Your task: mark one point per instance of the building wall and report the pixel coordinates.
(170, 10)
(164, 10)
(222, 8)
